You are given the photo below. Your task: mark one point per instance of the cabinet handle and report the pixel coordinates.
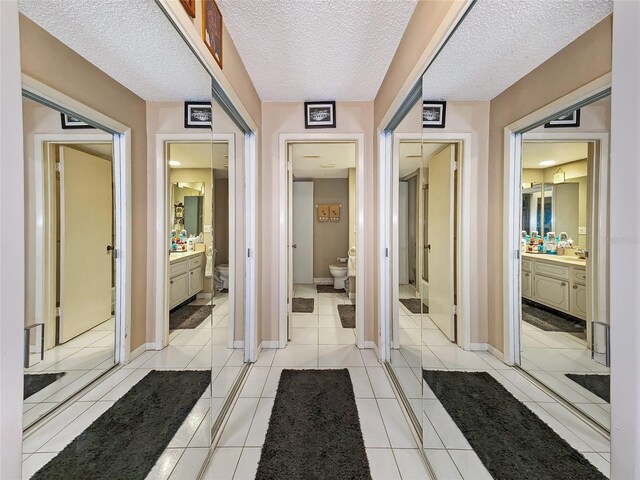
(171, 282)
(575, 287)
(563, 284)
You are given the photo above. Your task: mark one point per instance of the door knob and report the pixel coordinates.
(109, 248)
(295, 245)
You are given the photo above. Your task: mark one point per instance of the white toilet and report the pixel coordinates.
(339, 274)
(222, 276)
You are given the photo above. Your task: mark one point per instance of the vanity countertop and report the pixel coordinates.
(564, 259)
(176, 256)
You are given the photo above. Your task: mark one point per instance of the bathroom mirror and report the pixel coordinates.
(71, 316)
(188, 202)
(564, 325)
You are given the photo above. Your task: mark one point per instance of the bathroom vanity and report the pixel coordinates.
(186, 276)
(559, 282)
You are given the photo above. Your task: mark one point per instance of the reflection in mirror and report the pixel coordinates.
(70, 321)
(564, 324)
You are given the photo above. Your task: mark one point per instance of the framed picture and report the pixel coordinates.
(212, 29)
(190, 7)
(198, 115)
(571, 119)
(433, 113)
(70, 122)
(320, 114)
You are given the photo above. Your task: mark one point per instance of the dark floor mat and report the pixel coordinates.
(329, 289)
(314, 430)
(188, 316)
(597, 384)
(551, 320)
(511, 440)
(347, 315)
(413, 305)
(302, 305)
(33, 383)
(126, 441)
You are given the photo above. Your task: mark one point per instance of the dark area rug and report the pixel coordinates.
(314, 430)
(413, 305)
(597, 384)
(302, 305)
(188, 316)
(328, 289)
(511, 440)
(347, 315)
(126, 441)
(551, 320)
(33, 383)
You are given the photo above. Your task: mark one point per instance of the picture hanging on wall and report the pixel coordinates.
(190, 7)
(198, 115)
(320, 114)
(433, 113)
(212, 29)
(70, 122)
(571, 119)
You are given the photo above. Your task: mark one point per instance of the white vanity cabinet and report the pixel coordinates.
(186, 276)
(556, 282)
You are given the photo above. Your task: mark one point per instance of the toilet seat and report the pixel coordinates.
(339, 268)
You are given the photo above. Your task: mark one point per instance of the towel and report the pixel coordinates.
(208, 269)
(351, 264)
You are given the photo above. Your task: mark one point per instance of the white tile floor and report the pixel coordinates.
(82, 358)
(548, 356)
(188, 350)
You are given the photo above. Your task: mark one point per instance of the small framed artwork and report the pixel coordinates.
(70, 122)
(571, 119)
(198, 115)
(190, 7)
(212, 29)
(433, 113)
(320, 114)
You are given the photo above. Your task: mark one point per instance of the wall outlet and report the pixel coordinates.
(582, 230)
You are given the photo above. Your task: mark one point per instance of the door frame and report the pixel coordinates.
(512, 138)
(161, 232)
(283, 140)
(120, 135)
(389, 203)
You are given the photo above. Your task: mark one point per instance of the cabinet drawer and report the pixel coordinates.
(526, 265)
(178, 289)
(552, 292)
(579, 275)
(195, 262)
(177, 268)
(551, 270)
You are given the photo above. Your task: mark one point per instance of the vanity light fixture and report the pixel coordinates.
(174, 163)
(547, 163)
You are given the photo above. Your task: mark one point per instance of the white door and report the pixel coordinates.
(403, 233)
(86, 236)
(440, 218)
(303, 213)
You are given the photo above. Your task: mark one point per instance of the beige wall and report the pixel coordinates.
(281, 118)
(330, 239)
(585, 59)
(221, 221)
(52, 63)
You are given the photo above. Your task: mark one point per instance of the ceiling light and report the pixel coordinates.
(547, 163)
(311, 156)
(327, 165)
(174, 163)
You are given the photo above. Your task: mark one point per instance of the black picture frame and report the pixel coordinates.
(196, 113)
(320, 114)
(434, 113)
(72, 123)
(568, 120)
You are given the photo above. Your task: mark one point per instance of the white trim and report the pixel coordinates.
(140, 350)
(162, 231)
(384, 212)
(323, 281)
(238, 344)
(478, 347)
(251, 260)
(284, 139)
(463, 213)
(512, 164)
(269, 344)
(122, 203)
(495, 352)
(370, 344)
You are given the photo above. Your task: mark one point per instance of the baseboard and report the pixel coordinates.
(323, 281)
(478, 347)
(141, 349)
(270, 344)
(352, 296)
(372, 345)
(238, 344)
(205, 295)
(495, 352)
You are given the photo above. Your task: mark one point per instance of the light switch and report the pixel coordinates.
(582, 230)
(207, 229)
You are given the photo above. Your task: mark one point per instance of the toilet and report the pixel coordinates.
(222, 276)
(339, 274)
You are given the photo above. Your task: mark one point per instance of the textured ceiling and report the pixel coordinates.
(298, 50)
(131, 41)
(501, 41)
(337, 158)
(560, 152)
